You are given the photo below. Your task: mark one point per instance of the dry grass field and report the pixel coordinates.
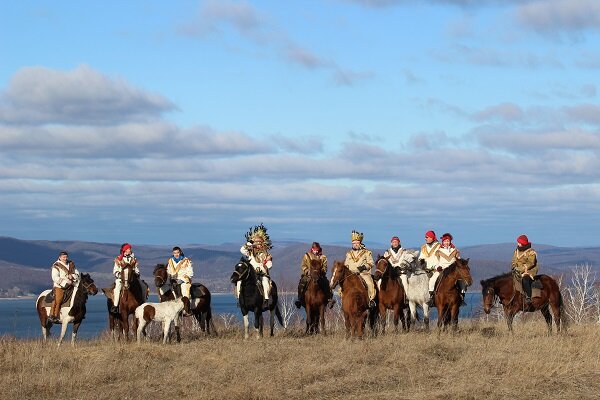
(482, 361)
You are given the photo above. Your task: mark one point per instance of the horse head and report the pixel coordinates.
(88, 284)
(160, 275)
(381, 267)
(337, 274)
(489, 296)
(314, 270)
(127, 276)
(240, 271)
(463, 270)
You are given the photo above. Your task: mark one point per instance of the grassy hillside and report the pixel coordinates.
(480, 362)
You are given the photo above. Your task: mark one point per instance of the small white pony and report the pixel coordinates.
(166, 312)
(416, 286)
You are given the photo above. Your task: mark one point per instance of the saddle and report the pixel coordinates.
(66, 299)
(536, 286)
(196, 291)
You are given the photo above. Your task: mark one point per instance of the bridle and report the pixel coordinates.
(492, 293)
(348, 274)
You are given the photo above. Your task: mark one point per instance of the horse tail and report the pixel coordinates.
(279, 316)
(561, 313)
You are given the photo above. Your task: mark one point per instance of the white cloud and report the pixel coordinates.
(38, 95)
(554, 16)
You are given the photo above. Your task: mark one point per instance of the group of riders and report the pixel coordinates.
(434, 256)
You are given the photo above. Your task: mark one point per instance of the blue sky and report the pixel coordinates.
(188, 122)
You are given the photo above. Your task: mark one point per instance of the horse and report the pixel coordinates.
(391, 293)
(502, 287)
(355, 300)
(132, 296)
(74, 312)
(251, 299)
(447, 295)
(200, 306)
(315, 298)
(416, 286)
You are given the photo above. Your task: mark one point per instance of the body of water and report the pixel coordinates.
(18, 317)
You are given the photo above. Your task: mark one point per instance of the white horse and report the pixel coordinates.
(416, 286)
(166, 312)
(73, 313)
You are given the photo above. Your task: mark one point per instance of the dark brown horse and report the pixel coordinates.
(132, 296)
(502, 287)
(73, 312)
(447, 295)
(391, 294)
(355, 300)
(199, 303)
(315, 298)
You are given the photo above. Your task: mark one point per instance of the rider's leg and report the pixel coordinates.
(370, 287)
(58, 298)
(526, 281)
(116, 295)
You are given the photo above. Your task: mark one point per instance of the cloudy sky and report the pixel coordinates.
(188, 122)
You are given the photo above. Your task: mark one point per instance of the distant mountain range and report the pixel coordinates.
(25, 264)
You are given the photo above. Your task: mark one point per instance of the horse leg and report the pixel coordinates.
(348, 324)
(425, 315)
(75, 328)
(125, 324)
(557, 312)
(63, 331)
(272, 321)
(246, 326)
(322, 318)
(548, 317)
(258, 323)
(382, 316)
(308, 319)
(454, 314)
(166, 325)
(141, 330)
(397, 318)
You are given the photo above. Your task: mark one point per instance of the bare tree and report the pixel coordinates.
(581, 296)
(228, 319)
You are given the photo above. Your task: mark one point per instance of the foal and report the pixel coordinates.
(165, 312)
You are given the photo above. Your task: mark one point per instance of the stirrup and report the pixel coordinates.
(527, 300)
(114, 309)
(372, 304)
(266, 303)
(298, 303)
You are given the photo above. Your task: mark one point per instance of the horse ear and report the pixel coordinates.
(482, 282)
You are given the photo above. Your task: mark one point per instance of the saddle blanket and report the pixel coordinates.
(66, 299)
(536, 286)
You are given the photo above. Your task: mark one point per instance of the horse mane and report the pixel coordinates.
(158, 266)
(497, 277)
(452, 268)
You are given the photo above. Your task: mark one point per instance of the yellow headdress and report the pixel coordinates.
(259, 234)
(357, 236)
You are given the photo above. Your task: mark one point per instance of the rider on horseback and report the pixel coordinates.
(397, 255)
(124, 259)
(524, 264)
(447, 254)
(256, 250)
(180, 270)
(315, 253)
(428, 256)
(359, 260)
(64, 276)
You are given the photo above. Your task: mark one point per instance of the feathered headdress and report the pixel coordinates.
(357, 236)
(259, 233)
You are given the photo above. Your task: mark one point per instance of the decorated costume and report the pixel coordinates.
(359, 260)
(524, 264)
(64, 276)
(256, 251)
(123, 260)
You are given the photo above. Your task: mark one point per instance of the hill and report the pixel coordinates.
(24, 264)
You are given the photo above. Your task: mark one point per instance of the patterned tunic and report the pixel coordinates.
(525, 262)
(308, 257)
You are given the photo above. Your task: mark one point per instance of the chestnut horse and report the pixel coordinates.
(132, 296)
(315, 298)
(391, 294)
(199, 305)
(74, 312)
(447, 295)
(355, 300)
(502, 287)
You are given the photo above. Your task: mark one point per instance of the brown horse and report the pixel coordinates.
(199, 305)
(132, 296)
(447, 295)
(73, 312)
(391, 294)
(502, 287)
(355, 299)
(315, 298)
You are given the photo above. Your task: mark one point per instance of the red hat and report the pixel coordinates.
(523, 240)
(447, 236)
(395, 238)
(430, 234)
(124, 247)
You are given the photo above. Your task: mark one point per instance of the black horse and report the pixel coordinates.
(251, 298)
